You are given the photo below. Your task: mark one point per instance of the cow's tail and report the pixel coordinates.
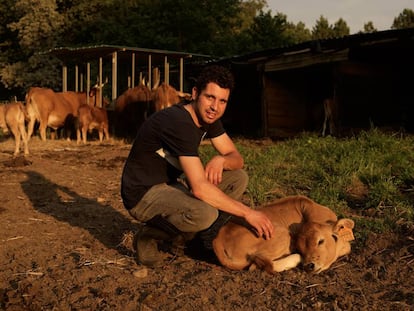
(25, 112)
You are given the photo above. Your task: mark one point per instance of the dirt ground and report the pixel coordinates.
(65, 245)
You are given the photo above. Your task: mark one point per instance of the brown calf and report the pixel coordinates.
(304, 231)
(91, 118)
(12, 116)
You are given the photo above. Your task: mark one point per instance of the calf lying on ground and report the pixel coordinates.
(91, 118)
(12, 116)
(304, 231)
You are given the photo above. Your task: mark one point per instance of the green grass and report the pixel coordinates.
(369, 176)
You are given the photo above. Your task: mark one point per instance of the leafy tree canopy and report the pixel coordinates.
(29, 28)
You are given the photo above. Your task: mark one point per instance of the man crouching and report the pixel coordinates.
(166, 146)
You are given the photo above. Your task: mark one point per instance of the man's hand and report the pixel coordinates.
(261, 223)
(214, 170)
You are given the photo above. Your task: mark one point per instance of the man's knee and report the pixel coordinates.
(201, 219)
(234, 183)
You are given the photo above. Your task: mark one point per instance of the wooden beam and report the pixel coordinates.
(64, 78)
(150, 70)
(81, 82)
(76, 78)
(100, 86)
(88, 80)
(114, 75)
(133, 70)
(181, 74)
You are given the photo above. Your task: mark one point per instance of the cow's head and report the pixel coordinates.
(322, 244)
(94, 95)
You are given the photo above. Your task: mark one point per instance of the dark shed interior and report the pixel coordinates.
(280, 92)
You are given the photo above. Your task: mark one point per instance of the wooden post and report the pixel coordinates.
(181, 74)
(114, 75)
(64, 78)
(133, 70)
(76, 78)
(100, 86)
(88, 81)
(150, 70)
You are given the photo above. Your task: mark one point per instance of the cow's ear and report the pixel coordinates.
(343, 229)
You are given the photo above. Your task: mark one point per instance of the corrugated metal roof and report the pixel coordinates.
(88, 53)
(324, 46)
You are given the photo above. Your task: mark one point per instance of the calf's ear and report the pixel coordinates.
(343, 228)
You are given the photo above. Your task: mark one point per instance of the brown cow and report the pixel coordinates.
(12, 116)
(165, 95)
(94, 96)
(52, 109)
(131, 109)
(135, 104)
(304, 231)
(91, 118)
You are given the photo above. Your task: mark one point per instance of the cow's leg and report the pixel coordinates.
(42, 130)
(324, 125)
(84, 134)
(53, 134)
(286, 263)
(23, 134)
(15, 131)
(78, 136)
(106, 133)
(30, 127)
(101, 134)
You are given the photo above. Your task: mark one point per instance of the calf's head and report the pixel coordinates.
(320, 245)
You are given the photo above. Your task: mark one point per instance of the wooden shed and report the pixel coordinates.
(122, 67)
(280, 92)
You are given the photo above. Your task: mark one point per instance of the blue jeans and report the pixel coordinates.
(176, 203)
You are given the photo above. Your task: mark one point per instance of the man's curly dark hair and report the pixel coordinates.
(217, 74)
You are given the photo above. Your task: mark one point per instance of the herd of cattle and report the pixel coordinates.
(79, 112)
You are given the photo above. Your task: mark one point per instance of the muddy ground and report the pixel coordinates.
(65, 245)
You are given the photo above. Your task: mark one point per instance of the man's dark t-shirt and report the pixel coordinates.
(153, 158)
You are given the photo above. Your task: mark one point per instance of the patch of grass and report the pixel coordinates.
(370, 174)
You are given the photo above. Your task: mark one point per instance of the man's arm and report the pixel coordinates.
(204, 190)
(229, 158)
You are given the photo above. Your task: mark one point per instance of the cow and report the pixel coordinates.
(94, 96)
(331, 116)
(13, 116)
(134, 105)
(165, 95)
(91, 118)
(131, 109)
(304, 232)
(53, 109)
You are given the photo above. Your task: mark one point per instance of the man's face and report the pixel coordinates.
(211, 102)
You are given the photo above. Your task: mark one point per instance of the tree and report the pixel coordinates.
(404, 20)
(297, 33)
(37, 29)
(369, 27)
(268, 31)
(322, 29)
(248, 11)
(340, 28)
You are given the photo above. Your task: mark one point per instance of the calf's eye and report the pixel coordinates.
(321, 241)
